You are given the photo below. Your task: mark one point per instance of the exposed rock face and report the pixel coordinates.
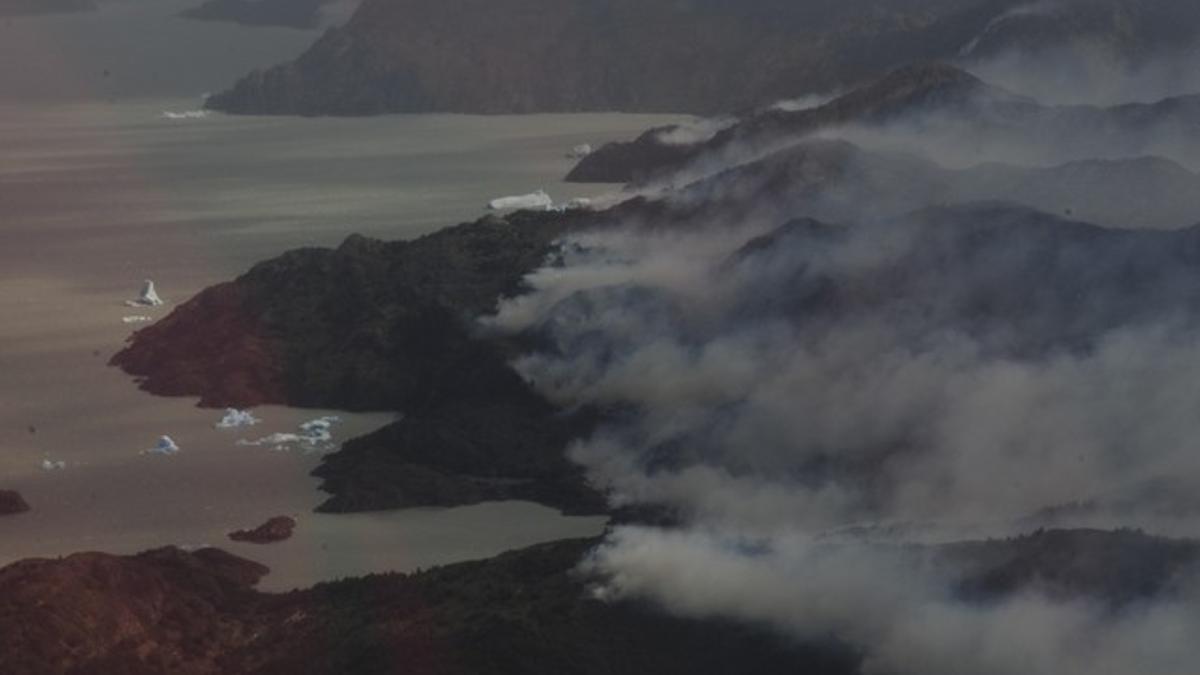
(11, 503)
(275, 530)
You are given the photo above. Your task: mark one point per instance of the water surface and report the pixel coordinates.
(99, 192)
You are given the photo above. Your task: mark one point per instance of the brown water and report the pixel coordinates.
(94, 197)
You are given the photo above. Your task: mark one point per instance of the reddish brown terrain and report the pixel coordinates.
(528, 612)
(169, 611)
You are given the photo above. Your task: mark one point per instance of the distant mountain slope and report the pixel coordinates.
(38, 7)
(522, 56)
(1123, 29)
(932, 109)
(282, 13)
(699, 56)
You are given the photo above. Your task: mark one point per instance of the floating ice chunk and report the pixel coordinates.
(147, 298)
(580, 204)
(165, 446)
(235, 418)
(531, 201)
(314, 436)
(137, 319)
(53, 465)
(580, 151)
(185, 115)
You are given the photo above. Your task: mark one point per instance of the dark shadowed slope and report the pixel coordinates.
(12, 503)
(385, 326)
(521, 56)
(704, 56)
(932, 108)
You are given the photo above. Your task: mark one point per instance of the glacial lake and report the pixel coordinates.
(100, 192)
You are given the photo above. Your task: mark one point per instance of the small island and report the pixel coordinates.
(273, 531)
(12, 503)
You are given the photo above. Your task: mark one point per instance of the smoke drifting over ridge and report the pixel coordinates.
(826, 362)
(1090, 52)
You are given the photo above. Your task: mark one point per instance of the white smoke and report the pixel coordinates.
(770, 428)
(871, 596)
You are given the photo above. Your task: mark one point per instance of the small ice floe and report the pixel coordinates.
(164, 446)
(580, 204)
(580, 151)
(139, 318)
(235, 418)
(53, 465)
(185, 115)
(313, 436)
(532, 201)
(147, 298)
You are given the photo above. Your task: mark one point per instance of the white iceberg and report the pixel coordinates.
(185, 115)
(52, 465)
(531, 201)
(578, 204)
(147, 298)
(580, 151)
(235, 418)
(313, 436)
(165, 446)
